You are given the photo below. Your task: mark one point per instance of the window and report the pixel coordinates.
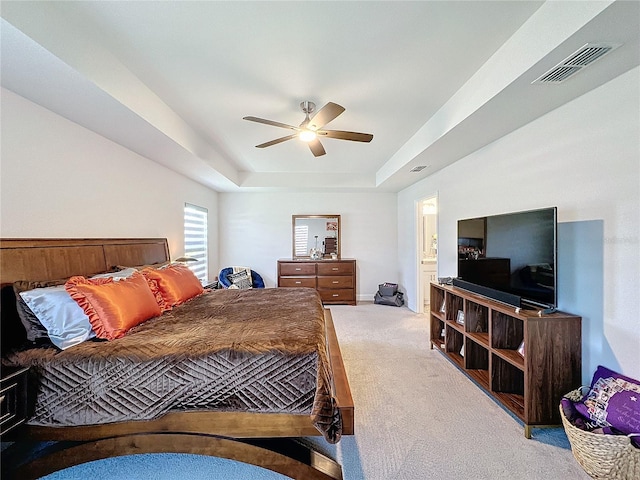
(301, 240)
(196, 239)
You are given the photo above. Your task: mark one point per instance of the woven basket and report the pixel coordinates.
(602, 456)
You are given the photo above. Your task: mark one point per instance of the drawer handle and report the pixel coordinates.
(335, 295)
(298, 282)
(335, 268)
(335, 281)
(298, 269)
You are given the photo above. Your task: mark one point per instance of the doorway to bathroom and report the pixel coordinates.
(427, 250)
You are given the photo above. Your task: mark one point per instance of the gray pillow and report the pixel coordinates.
(240, 280)
(35, 330)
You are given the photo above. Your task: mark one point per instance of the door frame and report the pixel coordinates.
(419, 242)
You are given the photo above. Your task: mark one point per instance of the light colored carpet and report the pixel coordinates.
(417, 417)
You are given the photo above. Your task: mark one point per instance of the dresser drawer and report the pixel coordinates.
(297, 282)
(335, 268)
(344, 295)
(297, 268)
(13, 398)
(343, 281)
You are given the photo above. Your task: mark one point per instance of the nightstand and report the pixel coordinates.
(13, 397)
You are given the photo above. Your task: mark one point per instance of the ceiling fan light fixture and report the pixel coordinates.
(312, 128)
(307, 135)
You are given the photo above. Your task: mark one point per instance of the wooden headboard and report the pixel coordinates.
(49, 259)
(41, 259)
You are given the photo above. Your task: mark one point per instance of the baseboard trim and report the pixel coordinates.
(367, 298)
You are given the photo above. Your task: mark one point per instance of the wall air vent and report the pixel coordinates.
(585, 55)
(419, 168)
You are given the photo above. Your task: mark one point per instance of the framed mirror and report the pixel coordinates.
(315, 236)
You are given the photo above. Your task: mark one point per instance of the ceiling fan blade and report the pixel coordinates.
(277, 141)
(325, 115)
(272, 123)
(316, 148)
(342, 135)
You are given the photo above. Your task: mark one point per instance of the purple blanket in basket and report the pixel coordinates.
(612, 406)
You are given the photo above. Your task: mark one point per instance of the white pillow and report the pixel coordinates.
(124, 273)
(66, 323)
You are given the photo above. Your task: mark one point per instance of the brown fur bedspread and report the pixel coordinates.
(258, 350)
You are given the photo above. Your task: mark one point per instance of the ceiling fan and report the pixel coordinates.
(311, 128)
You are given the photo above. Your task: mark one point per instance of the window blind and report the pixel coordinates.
(302, 240)
(196, 240)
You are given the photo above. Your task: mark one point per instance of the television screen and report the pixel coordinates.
(511, 257)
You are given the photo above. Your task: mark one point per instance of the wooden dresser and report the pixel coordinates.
(335, 280)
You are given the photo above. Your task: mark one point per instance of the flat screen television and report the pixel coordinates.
(510, 257)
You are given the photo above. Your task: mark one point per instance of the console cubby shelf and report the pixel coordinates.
(485, 347)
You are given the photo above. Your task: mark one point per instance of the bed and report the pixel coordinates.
(248, 427)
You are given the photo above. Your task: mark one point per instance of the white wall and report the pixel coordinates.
(62, 180)
(256, 232)
(583, 158)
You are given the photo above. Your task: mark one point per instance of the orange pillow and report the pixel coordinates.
(172, 285)
(114, 307)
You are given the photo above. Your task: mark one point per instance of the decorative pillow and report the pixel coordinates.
(114, 307)
(240, 280)
(65, 323)
(172, 285)
(612, 401)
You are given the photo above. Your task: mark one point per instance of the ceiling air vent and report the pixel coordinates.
(419, 168)
(586, 55)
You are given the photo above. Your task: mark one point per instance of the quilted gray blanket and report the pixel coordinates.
(259, 350)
